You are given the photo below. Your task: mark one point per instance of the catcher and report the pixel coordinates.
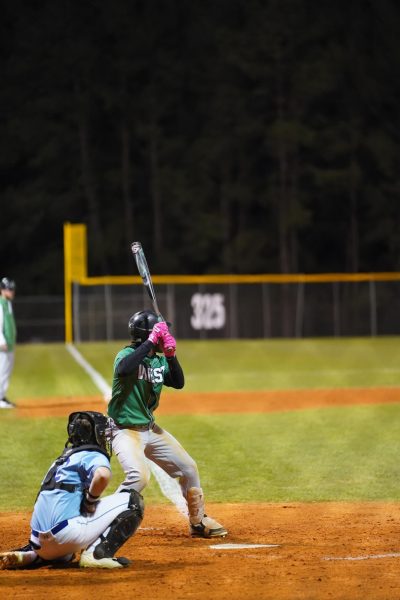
(140, 371)
(69, 516)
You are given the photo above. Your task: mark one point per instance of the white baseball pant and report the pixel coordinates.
(133, 447)
(81, 532)
(6, 367)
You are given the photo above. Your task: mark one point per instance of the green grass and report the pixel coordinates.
(49, 370)
(275, 364)
(313, 455)
(328, 454)
(43, 370)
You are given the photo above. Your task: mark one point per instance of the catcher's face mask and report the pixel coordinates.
(89, 427)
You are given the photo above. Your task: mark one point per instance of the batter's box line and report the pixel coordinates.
(241, 546)
(367, 557)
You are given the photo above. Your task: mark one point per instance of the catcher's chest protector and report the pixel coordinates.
(50, 483)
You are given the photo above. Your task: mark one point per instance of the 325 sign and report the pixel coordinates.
(208, 311)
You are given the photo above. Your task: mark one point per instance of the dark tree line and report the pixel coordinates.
(233, 136)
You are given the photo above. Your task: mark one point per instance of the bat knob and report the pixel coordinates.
(136, 247)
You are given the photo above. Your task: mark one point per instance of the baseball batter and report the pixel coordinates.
(69, 516)
(140, 371)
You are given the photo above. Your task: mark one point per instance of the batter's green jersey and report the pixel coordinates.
(135, 397)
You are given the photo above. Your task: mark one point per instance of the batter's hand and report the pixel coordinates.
(158, 331)
(168, 345)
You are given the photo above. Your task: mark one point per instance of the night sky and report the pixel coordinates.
(228, 136)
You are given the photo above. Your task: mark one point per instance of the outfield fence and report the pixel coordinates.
(259, 306)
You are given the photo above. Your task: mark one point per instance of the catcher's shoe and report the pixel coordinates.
(88, 560)
(27, 548)
(208, 528)
(14, 560)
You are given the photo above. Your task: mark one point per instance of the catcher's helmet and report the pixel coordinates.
(141, 324)
(7, 284)
(88, 427)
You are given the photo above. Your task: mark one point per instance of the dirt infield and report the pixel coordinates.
(222, 402)
(287, 551)
(170, 565)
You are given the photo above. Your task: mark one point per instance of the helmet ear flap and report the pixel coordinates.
(141, 324)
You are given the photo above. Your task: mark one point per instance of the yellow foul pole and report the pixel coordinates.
(67, 284)
(75, 268)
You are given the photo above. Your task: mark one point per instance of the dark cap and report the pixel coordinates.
(7, 284)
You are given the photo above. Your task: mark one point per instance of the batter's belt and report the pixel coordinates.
(150, 426)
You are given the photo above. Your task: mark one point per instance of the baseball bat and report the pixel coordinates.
(144, 273)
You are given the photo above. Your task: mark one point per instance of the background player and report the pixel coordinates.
(139, 375)
(8, 333)
(68, 515)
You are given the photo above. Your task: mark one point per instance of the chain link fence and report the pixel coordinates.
(210, 311)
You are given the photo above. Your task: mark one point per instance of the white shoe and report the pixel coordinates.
(4, 403)
(88, 560)
(14, 560)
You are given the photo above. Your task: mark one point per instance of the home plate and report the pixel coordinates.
(242, 546)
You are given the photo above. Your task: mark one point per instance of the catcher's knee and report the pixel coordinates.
(123, 526)
(136, 502)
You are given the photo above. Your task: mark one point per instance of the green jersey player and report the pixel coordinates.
(8, 333)
(140, 371)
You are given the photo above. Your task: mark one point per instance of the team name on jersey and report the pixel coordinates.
(155, 375)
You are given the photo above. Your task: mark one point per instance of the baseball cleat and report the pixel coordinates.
(208, 528)
(5, 403)
(88, 560)
(14, 560)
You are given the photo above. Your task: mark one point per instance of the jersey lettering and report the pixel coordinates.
(155, 375)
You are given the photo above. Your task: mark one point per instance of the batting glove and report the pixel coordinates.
(158, 331)
(168, 344)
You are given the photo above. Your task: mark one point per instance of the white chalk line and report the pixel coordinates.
(330, 558)
(94, 375)
(366, 557)
(241, 546)
(169, 486)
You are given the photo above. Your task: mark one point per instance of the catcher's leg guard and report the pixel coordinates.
(200, 524)
(122, 528)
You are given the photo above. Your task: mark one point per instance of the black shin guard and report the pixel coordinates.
(122, 528)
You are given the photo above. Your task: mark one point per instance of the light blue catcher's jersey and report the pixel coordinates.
(54, 506)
